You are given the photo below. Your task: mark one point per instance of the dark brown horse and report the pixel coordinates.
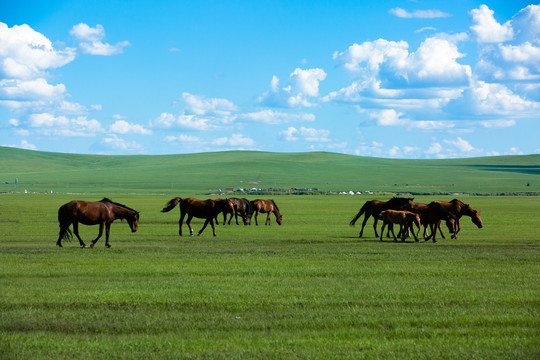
(203, 209)
(244, 208)
(459, 209)
(375, 207)
(266, 207)
(102, 212)
(430, 216)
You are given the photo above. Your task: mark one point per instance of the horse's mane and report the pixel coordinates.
(275, 205)
(117, 204)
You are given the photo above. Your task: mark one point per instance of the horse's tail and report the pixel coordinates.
(171, 204)
(65, 232)
(362, 210)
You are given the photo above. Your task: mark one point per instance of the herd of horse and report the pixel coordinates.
(401, 211)
(405, 213)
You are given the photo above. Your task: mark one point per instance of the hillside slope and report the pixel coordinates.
(207, 172)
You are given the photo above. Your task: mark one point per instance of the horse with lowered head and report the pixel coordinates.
(102, 212)
(203, 209)
(459, 209)
(266, 207)
(375, 207)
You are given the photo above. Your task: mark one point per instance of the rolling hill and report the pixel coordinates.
(205, 173)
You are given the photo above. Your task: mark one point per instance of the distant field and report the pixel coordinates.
(308, 289)
(207, 173)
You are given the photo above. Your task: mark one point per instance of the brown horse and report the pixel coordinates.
(266, 207)
(430, 216)
(102, 212)
(203, 209)
(405, 219)
(244, 208)
(459, 209)
(375, 207)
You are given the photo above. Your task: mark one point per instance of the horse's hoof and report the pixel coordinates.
(92, 246)
(59, 245)
(108, 246)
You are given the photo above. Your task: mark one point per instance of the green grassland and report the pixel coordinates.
(208, 172)
(310, 289)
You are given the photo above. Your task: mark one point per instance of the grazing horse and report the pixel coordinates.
(430, 216)
(244, 208)
(266, 207)
(405, 219)
(203, 209)
(227, 210)
(375, 207)
(102, 212)
(459, 208)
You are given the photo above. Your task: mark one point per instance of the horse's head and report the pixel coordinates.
(476, 219)
(279, 219)
(133, 221)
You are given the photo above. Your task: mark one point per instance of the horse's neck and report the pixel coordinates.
(121, 212)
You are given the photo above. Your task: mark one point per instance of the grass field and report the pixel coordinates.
(206, 173)
(310, 289)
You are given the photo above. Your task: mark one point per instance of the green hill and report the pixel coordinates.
(207, 172)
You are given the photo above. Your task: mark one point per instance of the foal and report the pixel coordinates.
(405, 219)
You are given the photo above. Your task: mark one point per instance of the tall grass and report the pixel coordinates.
(308, 289)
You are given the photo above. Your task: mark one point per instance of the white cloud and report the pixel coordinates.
(124, 127)
(434, 63)
(498, 123)
(420, 14)
(91, 40)
(303, 86)
(389, 117)
(486, 29)
(26, 54)
(269, 116)
(167, 120)
(23, 145)
(489, 98)
(182, 138)
(463, 146)
(116, 143)
(24, 90)
(306, 134)
(200, 105)
(236, 141)
(49, 124)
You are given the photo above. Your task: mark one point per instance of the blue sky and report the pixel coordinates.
(397, 79)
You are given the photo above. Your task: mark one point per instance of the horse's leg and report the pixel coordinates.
(440, 229)
(411, 226)
(375, 226)
(256, 214)
(366, 217)
(188, 222)
(107, 232)
(180, 222)
(213, 227)
(382, 230)
(434, 231)
(101, 226)
(63, 230)
(403, 229)
(206, 223)
(267, 222)
(76, 232)
(391, 228)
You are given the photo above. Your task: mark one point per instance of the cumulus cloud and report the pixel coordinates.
(113, 142)
(434, 63)
(182, 138)
(510, 51)
(420, 14)
(90, 40)
(486, 29)
(269, 116)
(306, 134)
(26, 54)
(49, 124)
(200, 105)
(302, 88)
(124, 127)
(235, 140)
